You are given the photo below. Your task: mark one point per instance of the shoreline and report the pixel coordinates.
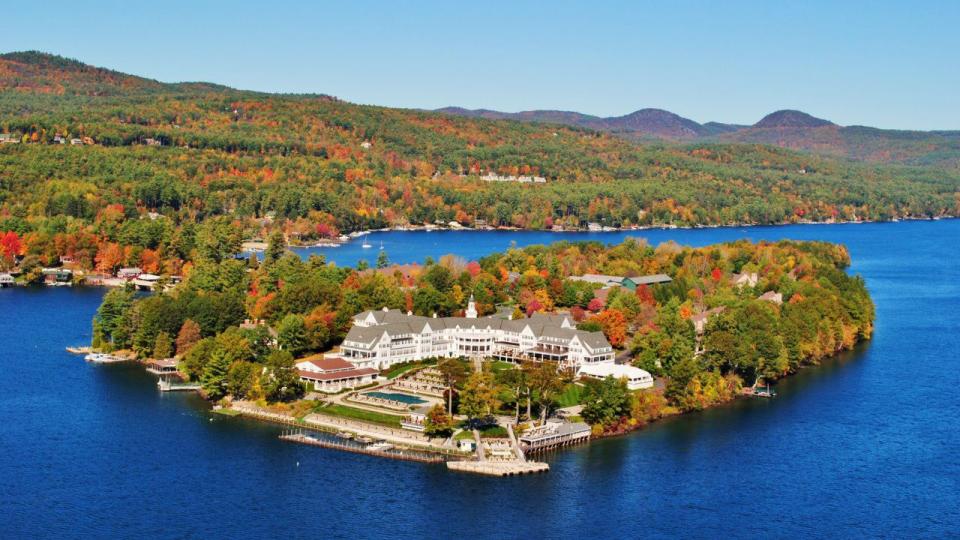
(421, 229)
(740, 396)
(658, 227)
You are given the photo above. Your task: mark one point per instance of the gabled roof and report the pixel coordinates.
(337, 375)
(652, 279)
(327, 364)
(364, 334)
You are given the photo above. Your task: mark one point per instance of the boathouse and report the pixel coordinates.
(553, 435)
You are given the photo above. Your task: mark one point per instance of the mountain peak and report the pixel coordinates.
(789, 118)
(655, 122)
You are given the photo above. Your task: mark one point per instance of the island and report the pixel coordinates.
(483, 364)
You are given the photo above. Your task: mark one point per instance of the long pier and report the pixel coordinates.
(403, 455)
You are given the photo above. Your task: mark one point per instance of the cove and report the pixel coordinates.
(866, 445)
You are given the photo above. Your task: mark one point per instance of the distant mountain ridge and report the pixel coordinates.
(33, 72)
(649, 122)
(787, 128)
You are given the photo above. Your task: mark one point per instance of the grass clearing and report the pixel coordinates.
(570, 396)
(465, 434)
(362, 414)
(493, 432)
(499, 365)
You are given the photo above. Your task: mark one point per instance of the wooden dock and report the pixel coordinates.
(167, 386)
(397, 453)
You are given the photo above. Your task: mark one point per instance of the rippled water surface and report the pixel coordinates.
(867, 445)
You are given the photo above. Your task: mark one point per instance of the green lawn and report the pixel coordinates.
(498, 365)
(465, 434)
(400, 369)
(570, 395)
(362, 415)
(493, 432)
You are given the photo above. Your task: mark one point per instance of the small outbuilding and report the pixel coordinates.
(636, 378)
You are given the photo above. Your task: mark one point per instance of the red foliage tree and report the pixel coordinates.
(10, 246)
(645, 295)
(614, 325)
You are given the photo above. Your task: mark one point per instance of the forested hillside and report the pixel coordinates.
(94, 160)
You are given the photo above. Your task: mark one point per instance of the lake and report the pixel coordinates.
(867, 445)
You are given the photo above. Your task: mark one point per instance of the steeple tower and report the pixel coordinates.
(471, 309)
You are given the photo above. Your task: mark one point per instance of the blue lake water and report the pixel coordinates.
(867, 445)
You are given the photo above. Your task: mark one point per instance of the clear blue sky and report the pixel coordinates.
(886, 64)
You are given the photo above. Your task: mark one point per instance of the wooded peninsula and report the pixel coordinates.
(720, 319)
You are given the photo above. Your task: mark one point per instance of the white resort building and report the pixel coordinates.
(379, 339)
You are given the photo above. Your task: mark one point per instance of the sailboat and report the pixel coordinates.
(381, 244)
(366, 244)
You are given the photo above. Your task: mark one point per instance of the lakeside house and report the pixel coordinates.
(700, 325)
(379, 339)
(490, 177)
(57, 276)
(6, 280)
(636, 378)
(331, 375)
(129, 274)
(700, 319)
(745, 280)
(771, 296)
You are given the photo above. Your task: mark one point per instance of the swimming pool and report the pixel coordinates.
(402, 398)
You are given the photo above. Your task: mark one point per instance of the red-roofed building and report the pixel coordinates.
(333, 374)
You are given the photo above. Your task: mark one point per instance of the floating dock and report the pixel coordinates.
(167, 386)
(498, 468)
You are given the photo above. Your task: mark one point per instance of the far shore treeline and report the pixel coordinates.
(811, 310)
(107, 170)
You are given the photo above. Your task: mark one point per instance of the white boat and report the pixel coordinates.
(101, 358)
(366, 245)
(380, 446)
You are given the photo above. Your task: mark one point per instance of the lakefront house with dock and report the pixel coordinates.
(380, 339)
